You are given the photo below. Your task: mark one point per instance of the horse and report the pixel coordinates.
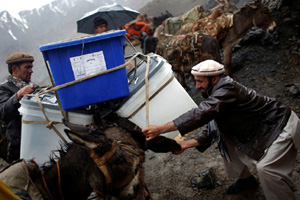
(183, 51)
(228, 33)
(107, 161)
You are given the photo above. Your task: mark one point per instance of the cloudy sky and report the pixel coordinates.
(15, 6)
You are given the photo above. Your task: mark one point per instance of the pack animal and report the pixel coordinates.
(252, 14)
(190, 47)
(175, 24)
(108, 162)
(183, 51)
(147, 41)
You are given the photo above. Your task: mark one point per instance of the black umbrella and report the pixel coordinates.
(115, 15)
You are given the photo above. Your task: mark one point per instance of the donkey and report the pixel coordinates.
(224, 6)
(108, 162)
(256, 14)
(183, 51)
(252, 14)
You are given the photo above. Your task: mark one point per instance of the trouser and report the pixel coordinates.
(13, 148)
(276, 166)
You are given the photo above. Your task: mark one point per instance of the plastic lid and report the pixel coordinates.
(154, 67)
(49, 101)
(83, 40)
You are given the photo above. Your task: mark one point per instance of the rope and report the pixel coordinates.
(50, 124)
(64, 113)
(159, 90)
(92, 76)
(100, 161)
(59, 181)
(45, 184)
(26, 170)
(147, 91)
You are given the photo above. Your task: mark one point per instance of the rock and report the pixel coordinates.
(258, 36)
(294, 90)
(298, 43)
(287, 20)
(205, 179)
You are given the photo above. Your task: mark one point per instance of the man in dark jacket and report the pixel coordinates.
(251, 129)
(17, 85)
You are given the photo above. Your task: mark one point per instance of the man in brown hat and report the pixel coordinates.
(251, 130)
(17, 85)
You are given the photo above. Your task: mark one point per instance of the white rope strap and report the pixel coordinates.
(50, 124)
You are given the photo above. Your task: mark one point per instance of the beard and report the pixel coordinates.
(207, 91)
(204, 95)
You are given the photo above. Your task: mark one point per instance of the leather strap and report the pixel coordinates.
(100, 161)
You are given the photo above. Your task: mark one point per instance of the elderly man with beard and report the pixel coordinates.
(250, 129)
(17, 85)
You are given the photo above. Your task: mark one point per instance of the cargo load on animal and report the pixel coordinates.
(183, 51)
(173, 24)
(228, 28)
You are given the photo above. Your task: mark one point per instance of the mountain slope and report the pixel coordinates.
(53, 22)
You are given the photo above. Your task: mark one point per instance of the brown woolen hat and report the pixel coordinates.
(19, 57)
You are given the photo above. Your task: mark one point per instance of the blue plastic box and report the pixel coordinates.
(75, 59)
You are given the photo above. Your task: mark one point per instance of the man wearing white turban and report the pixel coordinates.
(250, 129)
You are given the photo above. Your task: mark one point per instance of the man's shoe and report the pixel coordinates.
(242, 185)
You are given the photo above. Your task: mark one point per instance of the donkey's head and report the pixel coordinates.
(87, 137)
(261, 16)
(119, 165)
(97, 145)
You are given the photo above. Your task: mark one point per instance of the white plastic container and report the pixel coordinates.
(37, 141)
(167, 98)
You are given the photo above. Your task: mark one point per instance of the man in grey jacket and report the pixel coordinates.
(17, 85)
(251, 130)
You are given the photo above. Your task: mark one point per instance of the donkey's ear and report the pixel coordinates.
(80, 139)
(222, 2)
(76, 128)
(252, 5)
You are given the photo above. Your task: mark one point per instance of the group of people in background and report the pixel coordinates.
(135, 28)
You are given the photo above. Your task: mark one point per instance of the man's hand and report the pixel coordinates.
(151, 132)
(185, 145)
(180, 151)
(25, 90)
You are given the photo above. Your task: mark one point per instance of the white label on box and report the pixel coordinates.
(88, 64)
